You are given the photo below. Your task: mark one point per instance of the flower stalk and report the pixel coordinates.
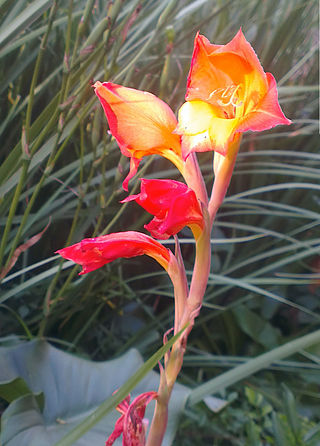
(223, 168)
(227, 94)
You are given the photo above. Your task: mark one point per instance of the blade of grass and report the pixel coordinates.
(25, 19)
(252, 366)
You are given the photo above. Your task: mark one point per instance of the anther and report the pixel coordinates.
(227, 96)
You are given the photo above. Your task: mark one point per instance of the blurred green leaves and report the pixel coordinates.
(56, 397)
(58, 162)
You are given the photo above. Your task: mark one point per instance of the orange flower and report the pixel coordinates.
(227, 93)
(141, 123)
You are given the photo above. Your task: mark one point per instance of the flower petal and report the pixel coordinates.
(268, 113)
(117, 431)
(92, 253)
(138, 120)
(141, 123)
(134, 426)
(200, 77)
(134, 164)
(131, 423)
(173, 204)
(215, 67)
(202, 130)
(222, 132)
(239, 45)
(195, 117)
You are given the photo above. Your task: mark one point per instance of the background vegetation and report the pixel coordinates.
(60, 181)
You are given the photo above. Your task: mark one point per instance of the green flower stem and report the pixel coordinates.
(181, 289)
(19, 319)
(12, 211)
(25, 148)
(160, 417)
(174, 358)
(80, 183)
(162, 19)
(201, 271)
(158, 425)
(194, 179)
(48, 303)
(186, 309)
(124, 206)
(68, 36)
(223, 169)
(168, 377)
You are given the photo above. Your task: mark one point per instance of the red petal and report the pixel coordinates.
(156, 195)
(133, 426)
(92, 253)
(117, 431)
(173, 204)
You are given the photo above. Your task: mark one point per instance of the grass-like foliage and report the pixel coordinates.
(60, 181)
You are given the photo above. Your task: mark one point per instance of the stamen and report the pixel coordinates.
(234, 99)
(227, 96)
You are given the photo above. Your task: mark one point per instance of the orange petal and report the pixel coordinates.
(141, 123)
(201, 78)
(239, 45)
(134, 164)
(228, 92)
(268, 112)
(215, 67)
(195, 143)
(219, 70)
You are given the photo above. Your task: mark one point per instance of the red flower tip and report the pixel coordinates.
(92, 253)
(173, 205)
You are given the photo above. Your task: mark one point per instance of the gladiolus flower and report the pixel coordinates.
(92, 253)
(228, 93)
(141, 123)
(173, 204)
(131, 423)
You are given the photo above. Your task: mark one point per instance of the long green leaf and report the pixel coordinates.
(28, 16)
(252, 366)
